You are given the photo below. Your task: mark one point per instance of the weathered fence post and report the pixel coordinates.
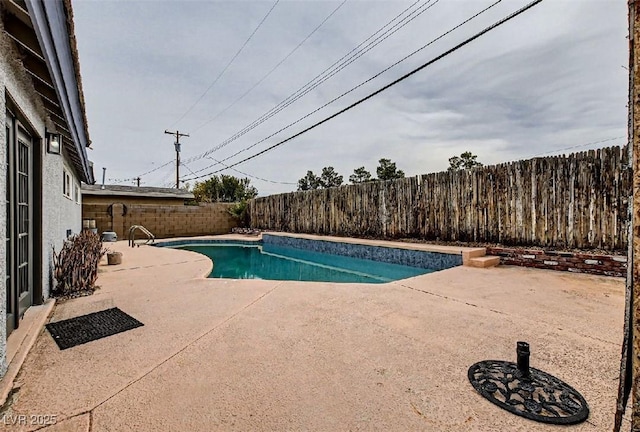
(629, 362)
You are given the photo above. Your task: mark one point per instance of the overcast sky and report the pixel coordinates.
(551, 79)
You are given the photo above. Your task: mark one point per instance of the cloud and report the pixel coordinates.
(548, 80)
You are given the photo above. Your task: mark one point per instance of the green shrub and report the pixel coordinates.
(75, 268)
(240, 211)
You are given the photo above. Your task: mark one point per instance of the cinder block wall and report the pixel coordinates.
(163, 221)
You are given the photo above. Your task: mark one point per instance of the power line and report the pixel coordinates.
(329, 72)
(247, 174)
(273, 69)
(361, 84)
(119, 180)
(154, 169)
(579, 145)
(228, 64)
(140, 175)
(402, 78)
(332, 70)
(167, 176)
(187, 167)
(366, 81)
(124, 180)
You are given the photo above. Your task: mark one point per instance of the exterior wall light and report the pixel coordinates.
(54, 143)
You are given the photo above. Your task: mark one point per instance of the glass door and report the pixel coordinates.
(23, 208)
(19, 222)
(11, 299)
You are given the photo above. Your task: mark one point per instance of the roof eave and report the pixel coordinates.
(53, 25)
(137, 195)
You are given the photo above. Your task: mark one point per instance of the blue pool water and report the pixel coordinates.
(272, 262)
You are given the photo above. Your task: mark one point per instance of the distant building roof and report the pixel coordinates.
(145, 192)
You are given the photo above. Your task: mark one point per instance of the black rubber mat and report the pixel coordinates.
(90, 327)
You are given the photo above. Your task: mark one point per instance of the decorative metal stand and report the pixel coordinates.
(528, 392)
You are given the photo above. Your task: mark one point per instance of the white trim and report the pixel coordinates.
(76, 193)
(66, 183)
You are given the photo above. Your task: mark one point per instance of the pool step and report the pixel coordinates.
(484, 261)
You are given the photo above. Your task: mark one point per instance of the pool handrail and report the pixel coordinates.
(132, 235)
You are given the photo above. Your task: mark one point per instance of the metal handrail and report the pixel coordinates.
(132, 235)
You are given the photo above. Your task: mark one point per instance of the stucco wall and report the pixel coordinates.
(13, 81)
(3, 211)
(71, 207)
(59, 212)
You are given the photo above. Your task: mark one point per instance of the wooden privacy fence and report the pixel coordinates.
(576, 201)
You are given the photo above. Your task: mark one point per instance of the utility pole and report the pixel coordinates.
(177, 144)
(137, 179)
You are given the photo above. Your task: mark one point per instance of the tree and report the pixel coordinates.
(240, 212)
(330, 178)
(466, 160)
(309, 182)
(208, 190)
(225, 188)
(360, 175)
(235, 189)
(387, 170)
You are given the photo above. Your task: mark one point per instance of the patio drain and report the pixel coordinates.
(528, 392)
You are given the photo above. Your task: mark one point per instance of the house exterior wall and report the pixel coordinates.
(3, 210)
(13, 82)
(71, 206)
(59, 212)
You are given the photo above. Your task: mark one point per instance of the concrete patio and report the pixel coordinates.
(258, 355)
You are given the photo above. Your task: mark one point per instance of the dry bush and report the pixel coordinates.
(75, 268)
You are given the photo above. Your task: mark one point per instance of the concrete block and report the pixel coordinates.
(484, 261)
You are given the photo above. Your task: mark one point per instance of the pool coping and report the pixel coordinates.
(467, 252)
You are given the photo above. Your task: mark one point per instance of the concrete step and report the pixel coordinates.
(484, 261)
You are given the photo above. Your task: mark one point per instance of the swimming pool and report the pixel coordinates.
(281, 263)
(289, 258)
